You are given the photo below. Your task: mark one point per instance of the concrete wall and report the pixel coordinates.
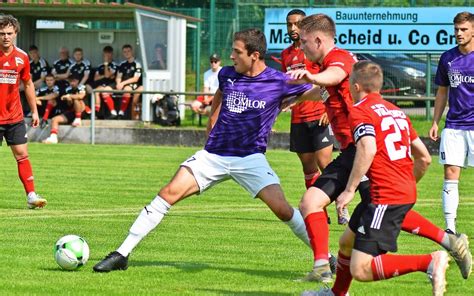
(162, 137)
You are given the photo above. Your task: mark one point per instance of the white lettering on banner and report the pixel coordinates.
(427, 29)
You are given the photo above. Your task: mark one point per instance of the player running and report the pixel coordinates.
(243, 111)
(15, 66)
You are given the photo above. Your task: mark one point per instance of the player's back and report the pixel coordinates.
(391, 172)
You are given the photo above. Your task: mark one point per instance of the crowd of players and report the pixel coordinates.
(62, 87)
(376, 138)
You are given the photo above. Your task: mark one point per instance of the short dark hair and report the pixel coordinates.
(127, 46)
(254, 41)
(9, 20)
(108, 49)
(296, 11)
(75, 77)
(33, 47)
(49, 75)
(368, 75)
(77, 49)
(464, 16)
(318, 22)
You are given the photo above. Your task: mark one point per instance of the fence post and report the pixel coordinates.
(212, 28)
(92, 118)
(428, 86)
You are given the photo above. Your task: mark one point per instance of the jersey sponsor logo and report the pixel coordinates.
(8, 76)
(456, 78)
(336, 64)
(324, 94)
(237, 102)
(363, 130)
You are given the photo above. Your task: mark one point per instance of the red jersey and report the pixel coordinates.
(391, 173)
(13, 67)
(293, 58)
(339, 102)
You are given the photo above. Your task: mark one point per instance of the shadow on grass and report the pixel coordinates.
(266, 220)
(242, 293)
(192, 267)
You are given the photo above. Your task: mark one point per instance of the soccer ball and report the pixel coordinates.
(71, 252)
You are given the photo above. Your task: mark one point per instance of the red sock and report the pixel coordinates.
(109, 102)
(343, 275)
(318, 232)
(78, 115)
(419, 225)
(54, 131)
(48, 109)
(125, 102)
(26, 174)
(97, 108)
(388, 266)
(309, 179)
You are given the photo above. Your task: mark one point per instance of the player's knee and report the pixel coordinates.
(284, 213)
(310, 203)
(360, 273)
(345, 245)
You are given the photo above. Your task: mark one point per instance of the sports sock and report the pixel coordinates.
(310, 178)
(343, 275)
(298, 227)
(125, 102)
(78, 115)
(450, 203)
(26, 174)
(109, 101)
(54, 131)
(147, 220)
(48, 109)
(97, 108)
(318, 232)
(419, 225)
(388, 266)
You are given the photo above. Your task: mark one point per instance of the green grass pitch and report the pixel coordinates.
(219, 243)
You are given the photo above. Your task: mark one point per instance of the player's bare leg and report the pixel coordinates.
(136, 105)
(182, 185)
(312, 207)
(25, 172)
(55, 122)
(79, 106)
(125, 101)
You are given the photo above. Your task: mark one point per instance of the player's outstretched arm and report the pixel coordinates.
(440, 104)
(215, 109)
(365, 153)
(31, 99)
(422, 158)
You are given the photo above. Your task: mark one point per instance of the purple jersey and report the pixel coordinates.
(248, 111)
(456, 70)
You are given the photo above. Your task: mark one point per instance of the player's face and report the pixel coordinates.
(127, 53)
(464, 33)
(242, 61)
(34, 55)
(7, 35)
(311, 45)
(291, 26)
(74, 83)
(78, 56)
(49, 81)
(63, 54)
(108, 56)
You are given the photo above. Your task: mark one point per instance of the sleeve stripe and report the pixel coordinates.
(363, 130)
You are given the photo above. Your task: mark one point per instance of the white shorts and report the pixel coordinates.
(252, 172)
(456, 147)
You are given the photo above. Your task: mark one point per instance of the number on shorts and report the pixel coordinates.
(399, 125)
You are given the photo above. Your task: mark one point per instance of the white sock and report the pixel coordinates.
(450, 203)
(147, 220)
(298, 227)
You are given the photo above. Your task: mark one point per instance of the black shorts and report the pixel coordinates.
(69, 115)
(307, 137)
(14, 133)
(334, 177)
(134, 86)
(379, 227)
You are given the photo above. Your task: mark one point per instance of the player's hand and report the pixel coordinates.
(35, 119)
(324, 120)
(300, 76)
(434, 132)
(343, 200)
(207, 100)
(119, 86)
(288, 103)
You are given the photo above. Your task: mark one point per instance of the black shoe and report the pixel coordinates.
(333, 263)
(43, 124)
(113, 261)
(112, 116)
(121, 116)
(449, 231)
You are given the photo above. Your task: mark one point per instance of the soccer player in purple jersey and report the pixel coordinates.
(243, 111)
(455, 76)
